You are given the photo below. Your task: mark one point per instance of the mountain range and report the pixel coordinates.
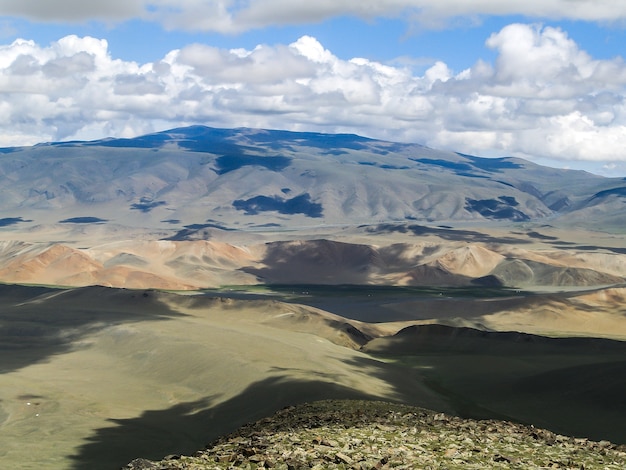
(199, 207)
(184, 180)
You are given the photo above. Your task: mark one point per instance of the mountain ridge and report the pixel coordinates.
(242, 178)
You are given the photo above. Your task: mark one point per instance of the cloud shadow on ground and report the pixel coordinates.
(39, 322)
(431, 381)
(315, 262)
(188, 427)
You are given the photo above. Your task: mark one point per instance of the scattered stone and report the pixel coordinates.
(341, 457)
(359, 435)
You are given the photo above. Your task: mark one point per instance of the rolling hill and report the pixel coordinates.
(95, 377)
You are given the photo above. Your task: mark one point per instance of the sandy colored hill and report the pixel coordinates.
(473, 261)
(130, 264)
(599, 313)
(415, 255)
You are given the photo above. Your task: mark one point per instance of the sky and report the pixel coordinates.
(543, 80)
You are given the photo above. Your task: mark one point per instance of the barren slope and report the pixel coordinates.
(184, 265)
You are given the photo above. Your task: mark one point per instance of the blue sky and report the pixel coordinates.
(539, 79)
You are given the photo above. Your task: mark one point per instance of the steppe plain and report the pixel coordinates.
(132, 326)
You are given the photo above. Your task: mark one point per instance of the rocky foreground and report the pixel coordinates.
(340, 434)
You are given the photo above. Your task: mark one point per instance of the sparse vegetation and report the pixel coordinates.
(360, 435)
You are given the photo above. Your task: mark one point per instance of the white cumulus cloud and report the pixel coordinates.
(541, 97)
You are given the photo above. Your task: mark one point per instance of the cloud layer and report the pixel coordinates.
(541, 97)
(228, 16)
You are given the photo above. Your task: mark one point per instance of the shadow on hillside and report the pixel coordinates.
(316, 262)
(37, 323)
(572, 386)
(558, 395)
(188, 427)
